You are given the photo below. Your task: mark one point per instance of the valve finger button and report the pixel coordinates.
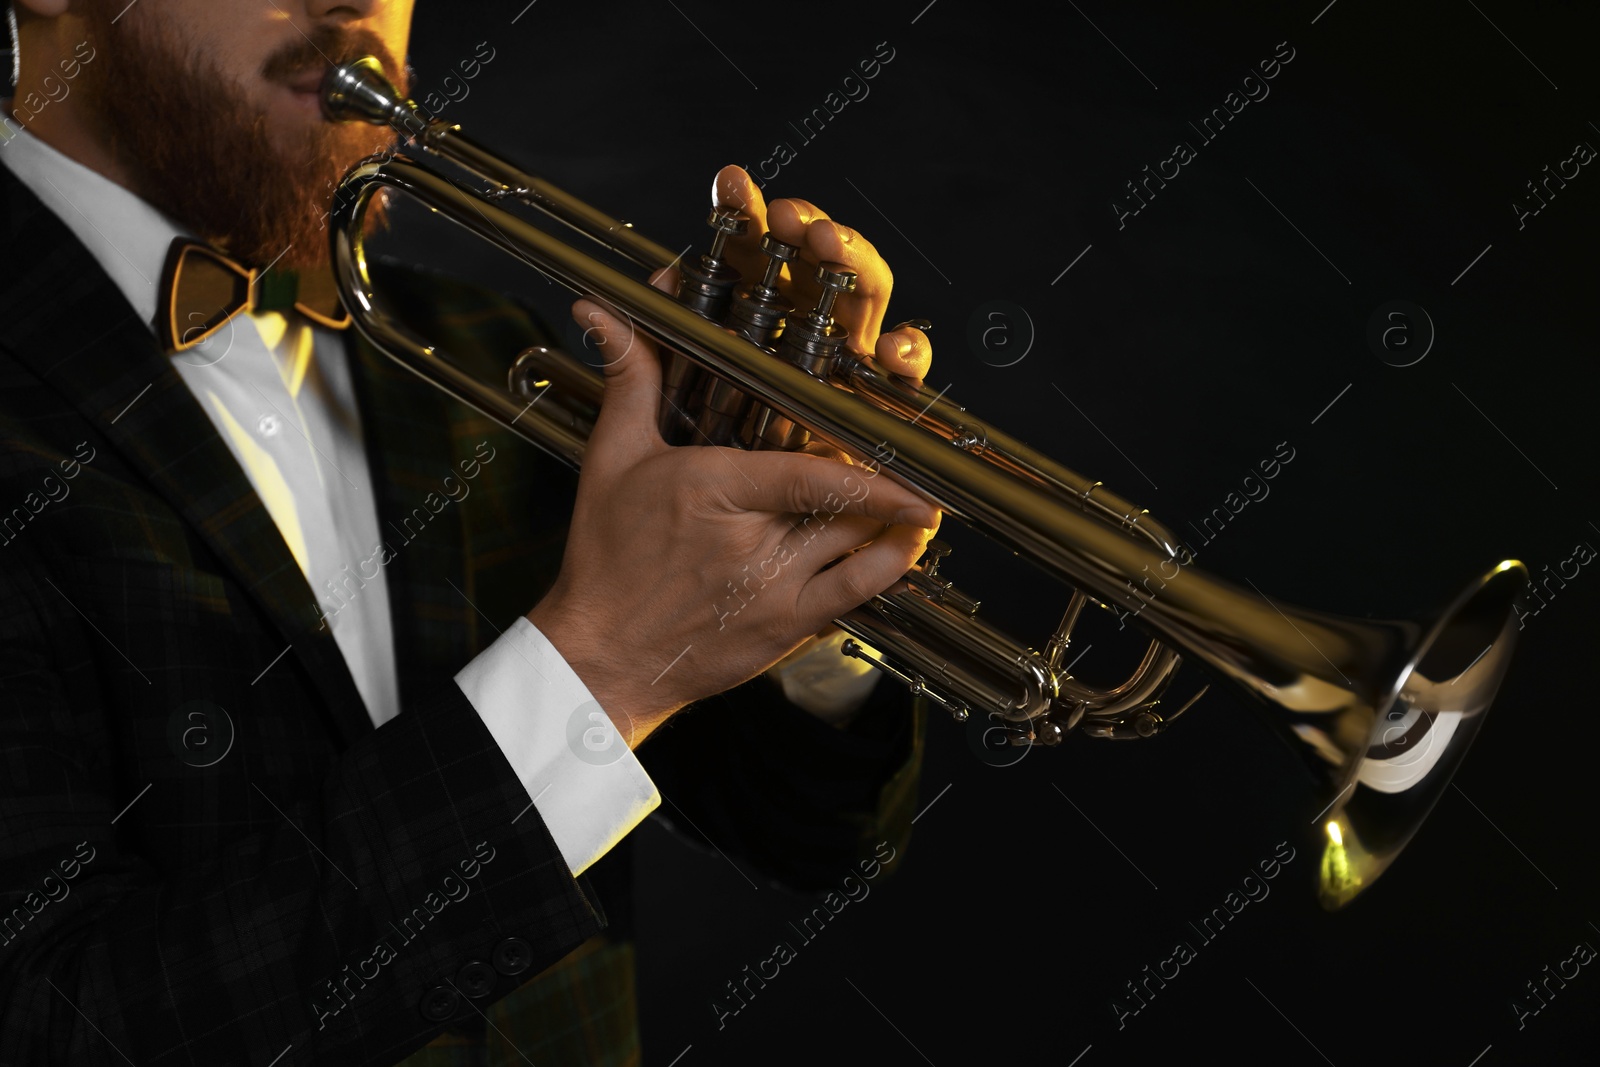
(760, 312)
(726, 224)
(779, 250)
(836, 277)
(729, 222)
(816, 342)
(706, 285)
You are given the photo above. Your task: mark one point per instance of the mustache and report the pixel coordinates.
(327, 46)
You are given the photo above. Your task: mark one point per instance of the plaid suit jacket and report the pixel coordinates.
(207, 852)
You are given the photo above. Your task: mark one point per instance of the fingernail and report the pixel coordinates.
(903, 348)
(846, 235)
(921, 518)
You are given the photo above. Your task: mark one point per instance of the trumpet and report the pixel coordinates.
(1383, 711)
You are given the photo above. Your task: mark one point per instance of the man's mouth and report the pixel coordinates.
(307, 89)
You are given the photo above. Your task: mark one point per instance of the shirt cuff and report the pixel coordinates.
(824, 681)
(584, 779)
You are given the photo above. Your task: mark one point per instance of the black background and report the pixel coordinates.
(1196, 338)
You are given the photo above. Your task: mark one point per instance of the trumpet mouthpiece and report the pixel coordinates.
(358, 91)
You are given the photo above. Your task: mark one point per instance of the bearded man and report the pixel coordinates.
(320, 691)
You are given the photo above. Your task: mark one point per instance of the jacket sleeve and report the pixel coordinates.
(344, 925)
(753, 775)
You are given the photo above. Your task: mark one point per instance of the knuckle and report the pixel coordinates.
(775, 626)
(696, 462)
(797, 496)
(797, 490)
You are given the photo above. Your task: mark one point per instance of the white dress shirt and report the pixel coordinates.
(279, 391)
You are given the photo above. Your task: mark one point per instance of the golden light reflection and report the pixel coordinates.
(1340, 879)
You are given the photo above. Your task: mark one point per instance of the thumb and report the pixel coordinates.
(626, 430)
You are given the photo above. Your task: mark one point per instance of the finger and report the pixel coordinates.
(665, 279)
(905, 351)
(818, 447)
(788, 220)
(610, 332)
(813, 542)
(822, 240)
(627, 428)
(800, 484)
(789, 217)
(733, 187)
(607, 332)
(823, 450)
(859, 577)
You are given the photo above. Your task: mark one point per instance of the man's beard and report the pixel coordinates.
(195, 147)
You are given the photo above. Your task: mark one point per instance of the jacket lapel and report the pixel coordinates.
(62, 318)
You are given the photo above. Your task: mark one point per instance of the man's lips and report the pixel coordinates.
(307, 89)
(309, 81)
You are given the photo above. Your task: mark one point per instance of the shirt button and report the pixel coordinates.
(512, 956)
(269, 425)
(439, 1003)
(475, 978)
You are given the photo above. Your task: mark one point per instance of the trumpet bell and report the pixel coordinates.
(1391, 759)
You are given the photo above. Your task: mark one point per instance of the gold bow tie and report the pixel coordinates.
(202, 290)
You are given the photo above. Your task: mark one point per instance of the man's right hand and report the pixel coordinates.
(691, 569)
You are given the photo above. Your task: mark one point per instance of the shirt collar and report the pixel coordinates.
(126, 235)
